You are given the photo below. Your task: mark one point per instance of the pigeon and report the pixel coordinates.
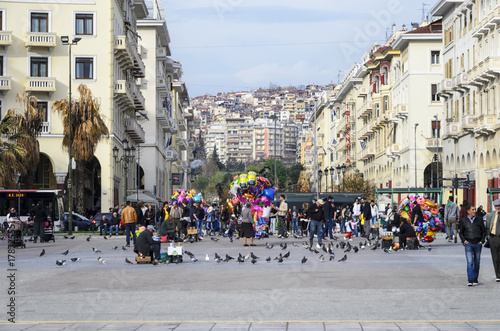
(229, 257)
(316, 251)
(128, 261)
(347, 250)
(66, 237)
(321, 258)
(332, 257)
(240, 259)
(3, 238)
(101, 260)
(217, 257)
(96, 250)
(218, 260)
(42, 253)
(74, 259)
(214, 239)
(295, 245)
(207, 258)
(193, 259)
(284, 246)
(60, 262)
(280, 259)
(269, 246)
(268, 259)
(188, 253)
(247, 257)
(356, 249)
(304, 260)
(324, 249)
(105, 237)
(254, 261)
(343, 259)
(72, 237)
(337, 246)
(373, 248)
(287, 255)
(429, 249)
(386, 250)
(65, 253)
(330, 250)
(88, 238)
(342, 245)
(115, 247)
(252, 255)
(124, 248)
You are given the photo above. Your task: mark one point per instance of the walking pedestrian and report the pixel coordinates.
(40, 215)
(129, 219)
(472, 233)
(282, 209)
(328, 209)
(176, 214)
(367, 216)
(317, 215)
(493, 230)
(247, 230)
(295, 219)
(451, 214)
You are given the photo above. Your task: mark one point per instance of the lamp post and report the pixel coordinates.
(274, 118)
(320, 173)
(343, 167)
(416, 124)
(18, 180)
(332, 169)
(326, 179)
(65, 41)
(438, 129)
(126, 158)
(338, 175)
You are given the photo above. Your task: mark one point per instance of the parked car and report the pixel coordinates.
(83, 223)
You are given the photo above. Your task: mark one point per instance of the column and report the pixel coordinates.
(60, 179)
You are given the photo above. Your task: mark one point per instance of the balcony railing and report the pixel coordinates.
(129, 95)
(366, 109)
(366, 153)
(452, 129)
(445, 87)
(45, 127)
(365, 132)
(434, 143)
(401, 111)
(127, 54)
(5, 83)
(485, 125)
(161, 115)
(5, 38)
(40, 84)
(161, 52)
(135, 130)
(40, 39)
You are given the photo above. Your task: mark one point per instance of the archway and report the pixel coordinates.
(430, 178)
(44, 174)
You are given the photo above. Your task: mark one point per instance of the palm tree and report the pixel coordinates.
(10, 152)
(87, 129)
(30, 122)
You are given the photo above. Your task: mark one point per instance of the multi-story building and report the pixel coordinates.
(215, 137)
(470, 94)
(290, 135)
(108, 55)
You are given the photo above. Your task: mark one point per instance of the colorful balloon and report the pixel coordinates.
(252, 179)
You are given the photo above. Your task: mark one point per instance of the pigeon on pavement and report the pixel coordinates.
(124, 248)
(88, 238)
(42, 253)
(74, 259)
(268, 259)
(287, 255)
(207, 258)
(65, 253)
(343, 259)
(115, 247)
(60, 262)
(128, 261)
(304, 259)
(321, 258)
(101, 260)
(252, 255)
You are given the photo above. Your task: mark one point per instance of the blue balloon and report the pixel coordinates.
(269, 193)
(197, 197)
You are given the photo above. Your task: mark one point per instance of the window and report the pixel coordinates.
(1, 20)
(1, 65)
(436, 129)
(39, 22)
(39, 67)
(42, 106)
(434, 94)
(84, 68)
(386, 103)
(84, 24)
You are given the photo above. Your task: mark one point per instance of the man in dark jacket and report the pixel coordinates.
(472, 233)
(366, 210)
(317, 216)
(114, 224)
(328, 208)
(145, 244)
(40, 216)
(406, 231)
(104, 222)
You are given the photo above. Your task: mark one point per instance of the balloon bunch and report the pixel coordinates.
(252, 188)
(182, 195)
(432, 223)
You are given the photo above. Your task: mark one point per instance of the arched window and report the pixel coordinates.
(384, 79)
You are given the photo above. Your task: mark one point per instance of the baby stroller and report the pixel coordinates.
(48, 231)
(16, 237)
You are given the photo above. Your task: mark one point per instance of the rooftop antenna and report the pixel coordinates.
(424, 17)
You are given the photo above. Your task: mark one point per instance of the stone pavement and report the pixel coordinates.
(263, 326)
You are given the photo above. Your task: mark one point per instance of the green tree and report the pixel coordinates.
(216, 160)
(357, 183)
(87, 129)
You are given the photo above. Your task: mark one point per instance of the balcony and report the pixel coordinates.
(162, 117)
(362, 91)
(445, 87)
(182, 122)
(468, 123)
(366, 153)
(366, 109)
(460, 81)
(401, 111)
(5, 38)
(40, 84)
(365, 131)
(40, 39)
(486, 71)
(128, 95)
(127, 54)
(434, 143)
(391, 117)
(485, 125)
(45, 127)
(452, 129)
(5, 83)
(161, 53)
(135, 130)
(161, 83)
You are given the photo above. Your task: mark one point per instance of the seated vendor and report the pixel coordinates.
(166, 229)
(405, 231)
(145, 245)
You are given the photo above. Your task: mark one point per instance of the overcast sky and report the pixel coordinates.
(233, 45)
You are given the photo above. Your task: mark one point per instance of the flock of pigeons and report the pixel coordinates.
(324, 252)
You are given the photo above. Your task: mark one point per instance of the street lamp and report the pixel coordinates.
(416, 124)
(343, 167)
(338, 176)
(326, 179)
(18, 180)
(438, 129)
(65, 41)
(126, 158)
(320, 173)
(332, 169)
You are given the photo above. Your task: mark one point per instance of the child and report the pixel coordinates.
(350, 226)
(231, 227)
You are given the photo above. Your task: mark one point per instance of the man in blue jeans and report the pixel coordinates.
(315, 226)
(329, 210)
(472, 233)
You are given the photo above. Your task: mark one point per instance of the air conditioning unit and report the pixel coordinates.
(171, 155)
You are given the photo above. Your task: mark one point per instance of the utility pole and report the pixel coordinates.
(416, 124)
